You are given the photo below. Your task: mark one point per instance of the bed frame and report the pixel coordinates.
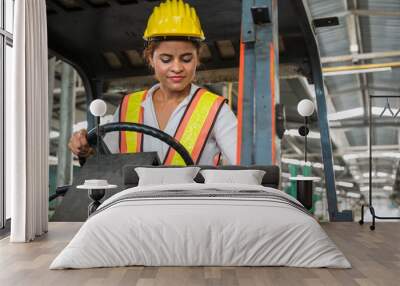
(118, 169)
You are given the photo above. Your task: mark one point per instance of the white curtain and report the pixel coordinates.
(27, 124)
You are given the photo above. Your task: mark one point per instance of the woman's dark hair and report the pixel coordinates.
(151, 46)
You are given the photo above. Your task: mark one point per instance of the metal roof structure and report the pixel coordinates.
(367, 35)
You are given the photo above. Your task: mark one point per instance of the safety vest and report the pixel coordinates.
(193, 129)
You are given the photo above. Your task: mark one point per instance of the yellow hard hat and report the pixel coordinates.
(173, 18)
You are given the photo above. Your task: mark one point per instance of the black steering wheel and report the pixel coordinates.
(140, 128)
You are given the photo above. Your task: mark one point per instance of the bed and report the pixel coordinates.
(201, 224)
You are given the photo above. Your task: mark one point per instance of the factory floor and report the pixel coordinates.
(374, 255)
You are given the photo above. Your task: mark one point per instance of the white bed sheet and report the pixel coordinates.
(200, 231)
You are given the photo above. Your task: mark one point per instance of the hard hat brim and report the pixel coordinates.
(174, 38)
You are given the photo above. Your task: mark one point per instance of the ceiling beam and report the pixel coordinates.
(361, 56)
(374, 13)
(351, 149)
(364, 13)
(286, 71)
(361, 67)
(202, 77)
(370, 89)
(348, 150)
(362, 124)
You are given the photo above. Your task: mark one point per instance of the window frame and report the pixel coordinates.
(6, 39)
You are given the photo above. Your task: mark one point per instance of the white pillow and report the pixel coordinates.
(248, 177)
(166, 176)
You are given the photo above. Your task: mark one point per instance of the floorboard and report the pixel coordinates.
(374, 255)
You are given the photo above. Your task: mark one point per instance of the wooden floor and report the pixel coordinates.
(375, 257)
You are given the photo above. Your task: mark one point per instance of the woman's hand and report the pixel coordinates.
(79, 145)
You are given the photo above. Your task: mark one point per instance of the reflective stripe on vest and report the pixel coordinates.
(195, 126)
(131, 110)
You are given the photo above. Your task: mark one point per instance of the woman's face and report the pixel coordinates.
(174, 64)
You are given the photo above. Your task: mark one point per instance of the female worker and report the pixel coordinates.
(200, 120)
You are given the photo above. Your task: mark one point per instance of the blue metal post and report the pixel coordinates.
(260, 86)
(265, 85)
(247, 41)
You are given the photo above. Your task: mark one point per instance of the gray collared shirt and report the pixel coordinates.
(222, 139)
